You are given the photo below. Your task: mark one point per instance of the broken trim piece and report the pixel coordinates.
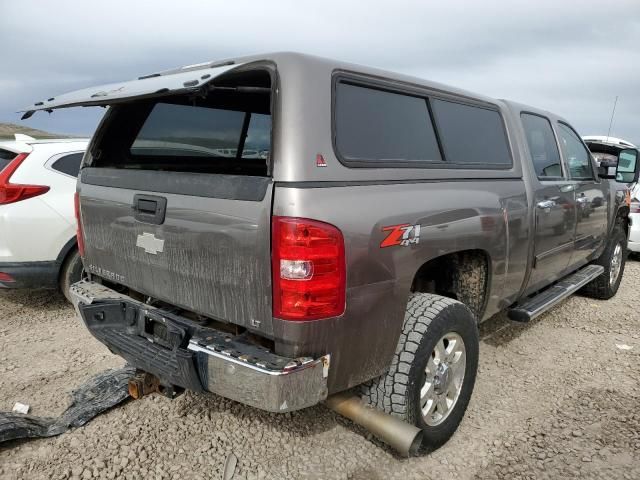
(96, 395)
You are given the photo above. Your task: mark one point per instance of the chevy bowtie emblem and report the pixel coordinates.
(150, 243)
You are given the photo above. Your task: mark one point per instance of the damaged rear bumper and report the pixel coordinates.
(181, 353)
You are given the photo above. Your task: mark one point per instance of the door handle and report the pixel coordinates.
(145, 206)
(546, 204)
(149, 208)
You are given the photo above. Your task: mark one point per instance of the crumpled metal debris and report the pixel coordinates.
(99, 393)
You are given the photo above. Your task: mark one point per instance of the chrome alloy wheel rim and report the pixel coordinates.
(444, 375)
(616, 264)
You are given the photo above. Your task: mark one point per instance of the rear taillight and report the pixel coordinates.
(309, 277)
(15, 192)
(79, 233)
(6, 278)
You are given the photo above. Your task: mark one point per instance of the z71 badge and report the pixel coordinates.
(403, 235)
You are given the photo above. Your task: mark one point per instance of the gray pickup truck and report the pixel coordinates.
(281, 229)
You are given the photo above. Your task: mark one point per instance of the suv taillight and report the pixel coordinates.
(79, 233)
(15, 192)
(6, 278)
(308, 267)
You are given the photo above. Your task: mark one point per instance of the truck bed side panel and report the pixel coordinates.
(490, 215)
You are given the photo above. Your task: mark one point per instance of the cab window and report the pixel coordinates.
(575, 153)
(542, 147)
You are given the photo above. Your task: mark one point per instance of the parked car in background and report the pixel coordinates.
(38, 247)
(606, 151)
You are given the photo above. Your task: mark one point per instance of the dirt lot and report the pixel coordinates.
(557, 398)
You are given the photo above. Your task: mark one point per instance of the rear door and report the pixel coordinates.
(554, 203)
(61, 174)
(175, 197)
(591, 195)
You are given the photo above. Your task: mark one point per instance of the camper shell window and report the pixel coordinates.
(226, 130)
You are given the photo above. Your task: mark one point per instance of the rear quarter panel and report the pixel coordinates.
(490, 215)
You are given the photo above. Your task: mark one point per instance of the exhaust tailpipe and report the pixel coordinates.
(399, 435)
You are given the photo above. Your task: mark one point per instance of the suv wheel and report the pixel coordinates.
(613, 260)
(433, 371)
(70, 273)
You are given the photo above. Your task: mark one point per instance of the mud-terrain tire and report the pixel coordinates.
(429, 320)
(612, 259)
(70, 272)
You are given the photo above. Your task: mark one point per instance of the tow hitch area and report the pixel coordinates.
(143, 383)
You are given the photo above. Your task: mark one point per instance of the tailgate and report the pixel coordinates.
(209, 255)
(175, 200)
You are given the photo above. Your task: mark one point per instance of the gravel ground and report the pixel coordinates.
(556, 398)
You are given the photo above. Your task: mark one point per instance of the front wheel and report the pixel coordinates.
(433, 371)
(613, 259)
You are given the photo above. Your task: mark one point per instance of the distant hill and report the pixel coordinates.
(8, 129)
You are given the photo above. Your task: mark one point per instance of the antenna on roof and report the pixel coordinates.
(612, 114)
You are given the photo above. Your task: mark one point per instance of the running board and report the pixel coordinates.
(543, 301)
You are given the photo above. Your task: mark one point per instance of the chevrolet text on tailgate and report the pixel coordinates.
(284, 229)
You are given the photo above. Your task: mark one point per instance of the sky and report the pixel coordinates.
(571, 57)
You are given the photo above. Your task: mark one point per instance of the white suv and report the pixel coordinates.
(37, 184)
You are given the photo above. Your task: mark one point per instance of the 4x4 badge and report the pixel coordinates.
(150, 243)
(403, 235)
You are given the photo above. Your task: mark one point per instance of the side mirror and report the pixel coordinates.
(627, 169)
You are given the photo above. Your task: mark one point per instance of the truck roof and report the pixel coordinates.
(193, 77)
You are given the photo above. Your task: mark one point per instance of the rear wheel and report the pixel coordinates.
(432, 374)
(613, 260)
(70, 273)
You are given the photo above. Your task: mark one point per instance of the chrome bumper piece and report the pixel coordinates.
(196, 357)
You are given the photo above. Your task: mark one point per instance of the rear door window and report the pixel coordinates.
(69, 164)
(373, 125)
(471, 135)
(542, 147)
(575, 154)
(5, 158)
